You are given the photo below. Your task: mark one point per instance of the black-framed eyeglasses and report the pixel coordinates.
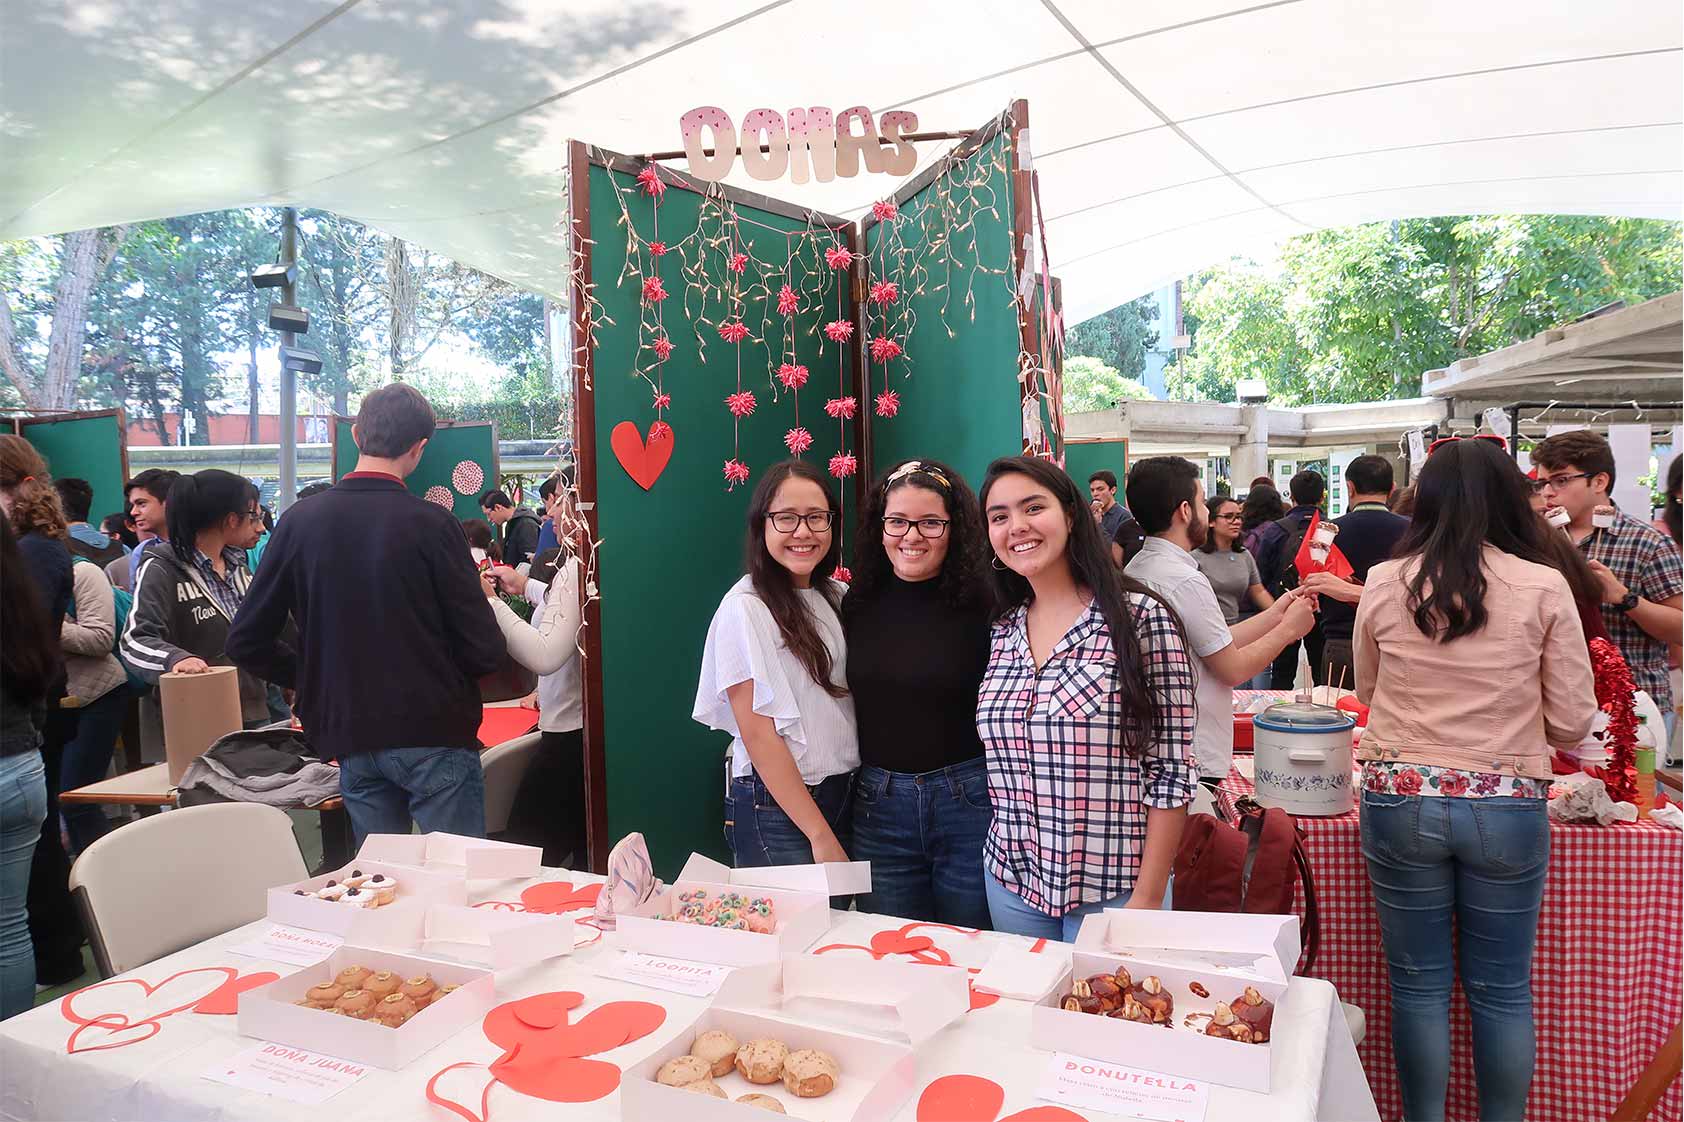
(1557, 482)
(928, 528)
(1230, 517)
(254, 516)
(786, 521)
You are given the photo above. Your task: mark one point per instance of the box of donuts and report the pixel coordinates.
(367, 902)
(1184, 993)
(801, 1038)
(371, 1006)
(472, 858)
(712, 913)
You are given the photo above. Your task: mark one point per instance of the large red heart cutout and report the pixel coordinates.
(971, 1098)
(128, 1010)
(644, 462)
(226, 999)
(556, 896)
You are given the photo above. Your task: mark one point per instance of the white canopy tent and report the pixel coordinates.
(1168, 136)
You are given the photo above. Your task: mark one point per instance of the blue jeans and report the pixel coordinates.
(1477, 865)
(23, 808)
(760, 833)
(442, 789)
(923, 836)
(1013, 915)
(87, 757)
(276, 699)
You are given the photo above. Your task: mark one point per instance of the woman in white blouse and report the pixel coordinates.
(549, 809)
(774, 677)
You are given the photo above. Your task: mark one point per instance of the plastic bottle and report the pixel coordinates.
(1645, 760)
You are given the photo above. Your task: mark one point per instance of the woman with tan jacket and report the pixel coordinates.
(1470, 652)
(99, 685)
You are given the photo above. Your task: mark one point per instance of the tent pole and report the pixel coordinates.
(289, 378)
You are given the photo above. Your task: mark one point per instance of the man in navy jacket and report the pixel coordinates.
(394, 630)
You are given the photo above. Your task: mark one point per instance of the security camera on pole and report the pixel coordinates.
(291, 321)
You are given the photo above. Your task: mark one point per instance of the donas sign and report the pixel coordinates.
(807, 144)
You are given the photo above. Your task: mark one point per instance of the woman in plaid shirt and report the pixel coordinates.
(1086, 712)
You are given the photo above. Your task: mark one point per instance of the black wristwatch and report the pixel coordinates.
(1624, 605)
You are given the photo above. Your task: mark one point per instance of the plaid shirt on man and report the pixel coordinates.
(1069, 806)
(229, 593)
(1647, 563)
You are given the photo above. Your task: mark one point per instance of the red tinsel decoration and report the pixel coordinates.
(733, 331)
(839, 330)
(798, 441)
(653, 292)
(738, 262)
(659, 429)
(884, 292)
(843, 464)
(883, 349)
(663, 400)
(883, 210)
(735, 472)
(650, 180)
(792, 375)
(741, 403)
(838, 257)
(663, 348)
(842, 408)
(1614, 687)
(786, 301)
(842, 574)
(888, 403)
(658, 249)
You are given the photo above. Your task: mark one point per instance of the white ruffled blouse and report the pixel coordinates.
(744, 644)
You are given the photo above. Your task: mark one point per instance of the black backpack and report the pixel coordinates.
(1285, 575)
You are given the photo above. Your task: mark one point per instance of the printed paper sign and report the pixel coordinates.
(288, 1073)
(697, 979)
(290, 944)
(1127, 1092)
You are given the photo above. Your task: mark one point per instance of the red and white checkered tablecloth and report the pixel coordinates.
(1605, 976)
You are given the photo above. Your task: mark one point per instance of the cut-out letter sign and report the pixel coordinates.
(808, 142)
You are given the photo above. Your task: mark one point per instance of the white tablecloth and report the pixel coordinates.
(1316, 1074)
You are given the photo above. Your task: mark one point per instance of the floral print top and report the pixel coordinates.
(1393, 778)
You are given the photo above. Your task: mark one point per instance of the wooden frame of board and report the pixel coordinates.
(19, 419)
(580, 158)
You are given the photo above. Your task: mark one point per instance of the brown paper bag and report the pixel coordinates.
(198, 708)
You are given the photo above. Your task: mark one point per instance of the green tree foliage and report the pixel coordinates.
(1091, 385)
(1118, 338)
(1360, 314)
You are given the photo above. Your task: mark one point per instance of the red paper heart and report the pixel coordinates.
(556, 896)
(644, 462)
(971, 1098)
(113, 1033)
(226, 999)
(920, 947)
(548, 1058)
(103, 1011)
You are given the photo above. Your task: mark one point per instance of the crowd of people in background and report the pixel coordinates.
(1008, 711)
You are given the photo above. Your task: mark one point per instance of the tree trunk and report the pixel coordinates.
(78, 270)
(253, 398)
(401, 298)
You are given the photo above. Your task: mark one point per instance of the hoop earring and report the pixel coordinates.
(995, 562)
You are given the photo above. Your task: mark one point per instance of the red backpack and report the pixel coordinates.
(1251, 867)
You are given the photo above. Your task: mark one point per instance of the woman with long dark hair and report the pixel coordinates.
(1469, 650)
(1262, 506)
(1672, 514)
(773, 677)
(917, 616)
(30, 674)
(186, 596)
(1086, 712)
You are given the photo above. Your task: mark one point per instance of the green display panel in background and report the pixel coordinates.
(459, 463)
(1084, 457)
(84, 446)
(960, 400)
(669, 554)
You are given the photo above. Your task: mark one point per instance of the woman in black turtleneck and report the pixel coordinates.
(917, 619)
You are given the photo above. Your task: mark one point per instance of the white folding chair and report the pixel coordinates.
(162, 883)
(505, 766)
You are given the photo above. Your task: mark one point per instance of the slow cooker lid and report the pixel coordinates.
(1291, 716)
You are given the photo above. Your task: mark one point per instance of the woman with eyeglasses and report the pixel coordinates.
(917, 618)
(1232, 570)
(773, 676)
(186, 596)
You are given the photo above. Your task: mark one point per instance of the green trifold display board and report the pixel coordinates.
(83, 446)
(1083, 458)
(669, 554)
(960, 400)
(457, 467)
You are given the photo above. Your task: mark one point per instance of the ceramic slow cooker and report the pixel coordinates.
(1303, 756)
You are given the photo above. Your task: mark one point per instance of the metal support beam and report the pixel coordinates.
(289, 378)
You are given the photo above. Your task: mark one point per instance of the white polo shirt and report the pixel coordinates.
(1171, 572)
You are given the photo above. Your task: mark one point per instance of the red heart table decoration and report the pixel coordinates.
(643, 461)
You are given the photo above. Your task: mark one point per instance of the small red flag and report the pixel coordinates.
(1305, 561)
